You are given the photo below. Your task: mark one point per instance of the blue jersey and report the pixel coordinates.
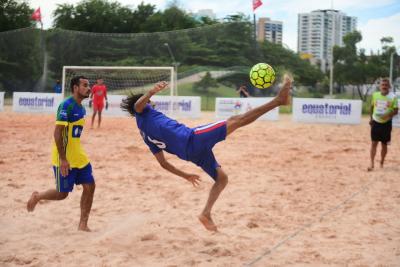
(162, 133)
(57, 88)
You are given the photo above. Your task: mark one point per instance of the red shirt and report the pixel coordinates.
(99, 92)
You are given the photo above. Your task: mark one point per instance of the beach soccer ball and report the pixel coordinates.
(262, 75)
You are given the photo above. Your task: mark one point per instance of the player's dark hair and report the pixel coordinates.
(128, 104)
(75, 81)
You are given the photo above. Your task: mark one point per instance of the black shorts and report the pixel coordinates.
(381, 132)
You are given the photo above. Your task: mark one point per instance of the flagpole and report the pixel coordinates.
(256, 4)
(255, 28)
(44, 56)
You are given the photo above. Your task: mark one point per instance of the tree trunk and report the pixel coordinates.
(360, 93)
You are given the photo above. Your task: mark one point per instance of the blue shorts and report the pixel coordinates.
(75, 176)
(201, 144)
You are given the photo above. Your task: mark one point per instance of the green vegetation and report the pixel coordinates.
(14, 15)
(106, 33)
(208, 98)
(354, 67)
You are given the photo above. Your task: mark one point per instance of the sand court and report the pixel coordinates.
(283, 178)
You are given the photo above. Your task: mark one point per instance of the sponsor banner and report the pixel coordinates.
(227, 107)
(396, 119)
(183, 106)
(1, 101)
(317, 110)
(36, 102)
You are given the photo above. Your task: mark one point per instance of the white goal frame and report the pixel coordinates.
(171, 69)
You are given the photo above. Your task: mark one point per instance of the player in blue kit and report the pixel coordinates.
(161, 133)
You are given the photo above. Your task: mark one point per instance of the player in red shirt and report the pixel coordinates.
(97, 96)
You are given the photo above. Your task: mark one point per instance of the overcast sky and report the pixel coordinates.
(376, 18)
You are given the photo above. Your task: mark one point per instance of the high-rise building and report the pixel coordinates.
(319, 31)
(270, 30)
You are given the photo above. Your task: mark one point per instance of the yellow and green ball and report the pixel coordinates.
(262, 75)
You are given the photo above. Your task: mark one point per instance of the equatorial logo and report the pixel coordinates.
(36, 101)
(327, 109)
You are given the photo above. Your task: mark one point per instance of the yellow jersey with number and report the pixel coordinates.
(71, 115)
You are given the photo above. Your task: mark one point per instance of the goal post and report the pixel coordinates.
(120, 80)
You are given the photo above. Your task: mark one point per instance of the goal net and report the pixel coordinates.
(121, 80)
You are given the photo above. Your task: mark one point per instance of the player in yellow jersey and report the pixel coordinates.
(70, 163)
(383, 107)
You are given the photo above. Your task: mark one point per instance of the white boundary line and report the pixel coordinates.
(309, 225)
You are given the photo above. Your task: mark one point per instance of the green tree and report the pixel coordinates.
(94, 16)
(14, 15)
(348, 68)
(20, 59)
(389, 48)
(285, 60)
(355, 68)
(140, 16)
(111, 17)
(205, 83)
(387, 45)
(19, 48)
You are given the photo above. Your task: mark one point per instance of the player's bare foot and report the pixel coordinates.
(208, 223)
(84, 227)
(370, 169)
(33, 200)
(381, 165)
(284, 93)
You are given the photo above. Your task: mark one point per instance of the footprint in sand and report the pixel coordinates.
(252, 225)
(208, 243)
(17, 186)
(149, 237)
(218, 252)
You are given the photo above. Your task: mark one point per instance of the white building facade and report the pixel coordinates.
(319, 31)
(270, 30)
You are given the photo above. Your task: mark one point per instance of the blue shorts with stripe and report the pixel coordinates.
(75, 176)
(201, 144)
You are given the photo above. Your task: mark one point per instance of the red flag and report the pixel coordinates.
(256, 3)
(37, 15)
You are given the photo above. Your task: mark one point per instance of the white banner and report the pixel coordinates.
(36, 102)
(183, 106)
(317, 110)
(1, 101)
(396, 119)
(227, 107)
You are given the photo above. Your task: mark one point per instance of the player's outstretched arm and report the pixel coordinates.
(193, 178)
(141, 103)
